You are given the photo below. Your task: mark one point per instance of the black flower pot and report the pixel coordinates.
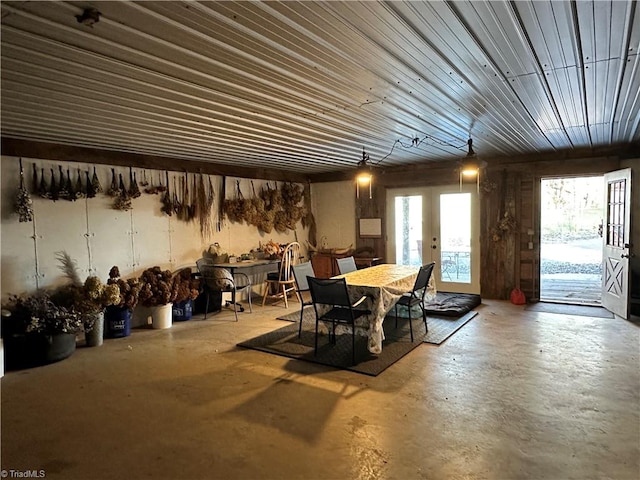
(34, 349)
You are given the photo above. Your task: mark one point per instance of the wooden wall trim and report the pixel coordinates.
(68, 153)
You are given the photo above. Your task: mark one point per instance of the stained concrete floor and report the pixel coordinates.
(512, 395)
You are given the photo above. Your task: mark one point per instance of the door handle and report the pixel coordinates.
(630, 255)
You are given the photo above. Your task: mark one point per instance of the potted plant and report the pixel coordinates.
(89, 300)
(37, 331)
(184, 291)
(156, 293)
(118, 316)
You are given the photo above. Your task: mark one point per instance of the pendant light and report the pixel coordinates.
(364, 176)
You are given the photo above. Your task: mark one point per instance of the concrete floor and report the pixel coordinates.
(512, 395)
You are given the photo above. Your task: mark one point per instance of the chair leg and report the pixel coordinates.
(266, 293)
(300, 326)
(315, 351)
(249, 291)
(424, 318)
(206, 307)
(410, 325)
(284, 294)
(235, 305)
(353, 343)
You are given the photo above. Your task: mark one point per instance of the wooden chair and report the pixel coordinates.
(300, 273)
(416, 296)
(283, 282)
(346, 265)
(333, 292)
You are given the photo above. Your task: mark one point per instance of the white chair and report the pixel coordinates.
(283, 282)
(346, 265)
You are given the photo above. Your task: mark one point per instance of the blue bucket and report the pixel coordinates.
(117, 322)
(182, 311)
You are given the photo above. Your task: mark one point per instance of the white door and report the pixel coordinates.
(436, 224)
(617, 242)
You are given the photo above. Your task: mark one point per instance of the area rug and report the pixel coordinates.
(567, 309)
(285, 342)
(440, 327)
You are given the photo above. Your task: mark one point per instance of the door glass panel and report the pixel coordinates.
(615, 220)
(455, 237)
(408, 230)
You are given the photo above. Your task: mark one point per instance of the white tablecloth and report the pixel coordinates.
(384, 284)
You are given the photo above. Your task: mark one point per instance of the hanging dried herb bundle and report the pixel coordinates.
(113, 191)
(70, 188)
(122, 201)
(144, 182)
(54, 190)
(204, 203)
(182, 210)
(43, 188)
(223, 195)
(35, 186)
(63, 191)
(23, 203)
(236, 208)
(80, 190)
(174, 199)
(91, 193)
(193, 203)
(167, 204)
(95, 182)
(152, 189)
(291, 193)
(134, 190)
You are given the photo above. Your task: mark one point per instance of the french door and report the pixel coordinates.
(616, 248)
(436, 224)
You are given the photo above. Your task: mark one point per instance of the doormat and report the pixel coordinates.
(285, 342)
(568, 309)
(440, 327)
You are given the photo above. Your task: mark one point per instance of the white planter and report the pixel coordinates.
(161, 316)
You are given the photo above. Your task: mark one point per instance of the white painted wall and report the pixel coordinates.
(334, 206)
(97, 237)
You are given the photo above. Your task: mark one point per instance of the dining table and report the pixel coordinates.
(384, 284)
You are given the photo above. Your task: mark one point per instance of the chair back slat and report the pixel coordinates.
(300, 272)
(329, 291)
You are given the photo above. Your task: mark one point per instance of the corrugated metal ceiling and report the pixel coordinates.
(304, 86)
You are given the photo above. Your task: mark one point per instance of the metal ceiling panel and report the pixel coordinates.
(305, 86)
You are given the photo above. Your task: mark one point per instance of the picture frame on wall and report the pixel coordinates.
(370, 227)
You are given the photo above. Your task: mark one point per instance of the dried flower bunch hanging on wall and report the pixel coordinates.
(273, 208)
(23, 204)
